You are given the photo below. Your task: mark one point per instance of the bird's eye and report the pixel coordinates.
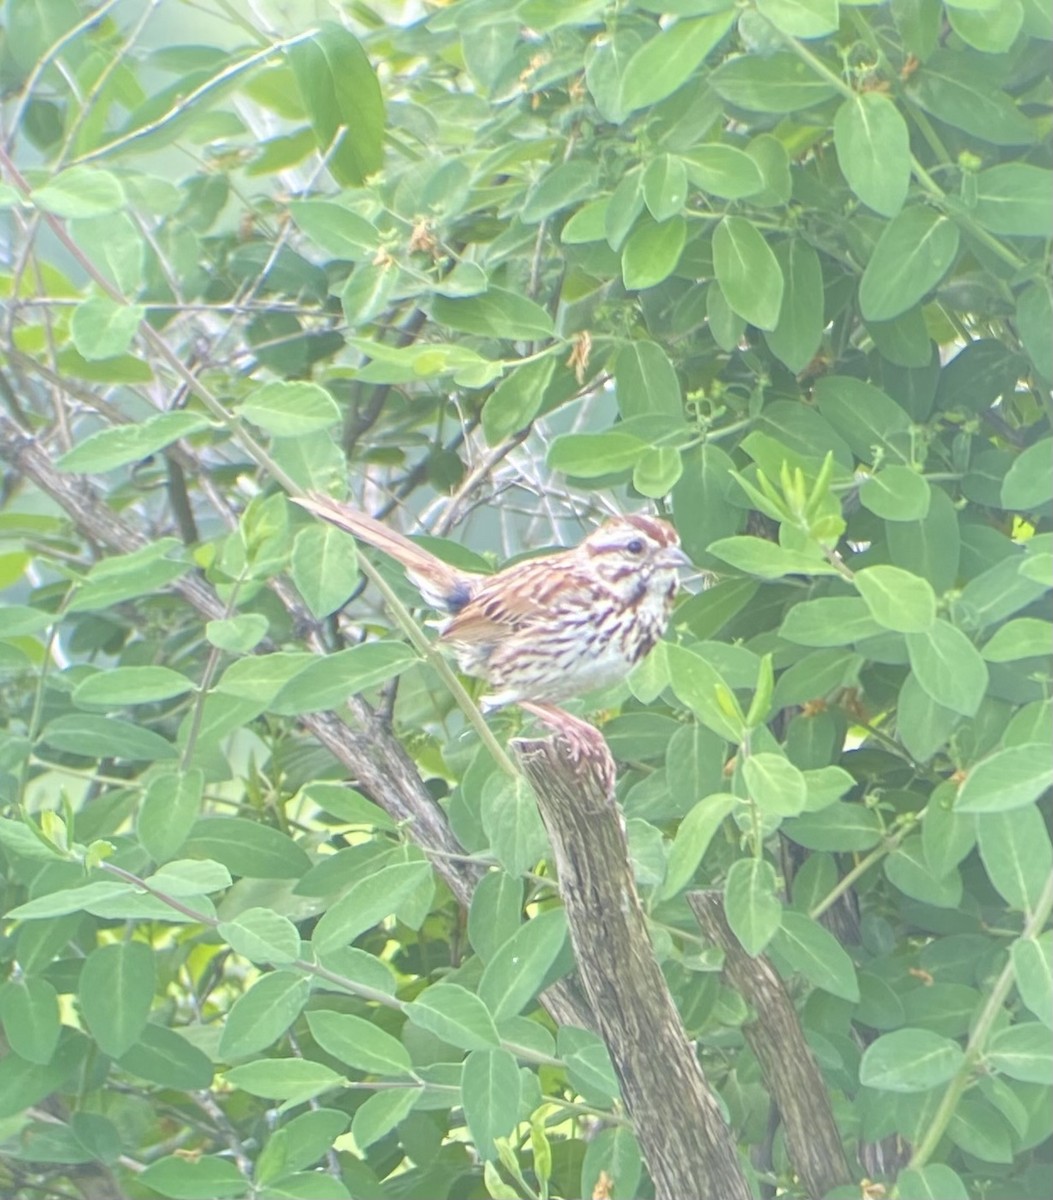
(636, 546)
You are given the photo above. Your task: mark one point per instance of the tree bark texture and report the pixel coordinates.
(689, 1151)
(786, 1062)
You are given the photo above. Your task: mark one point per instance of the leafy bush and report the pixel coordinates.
(780, 268)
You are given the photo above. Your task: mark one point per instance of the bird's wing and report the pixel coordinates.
(527, 596)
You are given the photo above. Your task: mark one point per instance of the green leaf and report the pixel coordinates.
(588, 1063)
(512, 823)
(646, 382)
(839, 827)
(947, 836)
(262, 936)
(615, 1152)
(303, 1141)
(207, 1178)
(260, 1015)
(106, 737)
(247, 847)
(168, 811)
(103, 328)
(897, 494)
(324, 567)
(1022, 1052)
(518, 970)
(798, 334)
(909, 1060)
(123, 444)
(748, 272)
(1034, 316)
(809, 948)
(190, 877)
(1016, 854)
(1026, 637)
(80, 192)
(67, 900)
(863, 415)
(667, 60)
(327, 680)
(516, 400)
(934, 1182)
(559, 188)
(359, 1043)
(932, 546)
(589, 455)
(965, 91)
(381, 1113)
(873, 150)
(496, 313)
(1033, 969)
(294, 1080)
(367, 902)
(343, 101)
(665, 186)
(131, 685)
(237, 635)
(693, 837)
(338, 230)
(775, 784)
(1015, 199)
(1007, 779)
(897, 599)
(29, 1010)
(948, 667)
(652, 252)
(163, 1057)
(490, 1089)
(657, 472)
(1028, 484)
(992, 30)
(912, 255)
(776, 83)
(454, 1015)
(753, 909)
(289, 409)
(801, 18)
(768, 560)
(829, 621)
(723, 171)
(907, 869)
(115, 992)
(699, 685)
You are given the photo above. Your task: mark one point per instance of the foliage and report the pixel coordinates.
(780, 267)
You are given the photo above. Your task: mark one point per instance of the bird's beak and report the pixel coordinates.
(673, 557)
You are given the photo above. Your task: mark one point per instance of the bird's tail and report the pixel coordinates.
(442, 586)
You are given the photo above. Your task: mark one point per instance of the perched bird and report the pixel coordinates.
(550, 628)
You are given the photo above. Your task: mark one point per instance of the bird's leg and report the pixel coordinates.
(584, 741)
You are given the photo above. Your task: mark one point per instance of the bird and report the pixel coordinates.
(547, 629)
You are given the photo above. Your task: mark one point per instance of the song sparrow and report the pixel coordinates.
(549, 628)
